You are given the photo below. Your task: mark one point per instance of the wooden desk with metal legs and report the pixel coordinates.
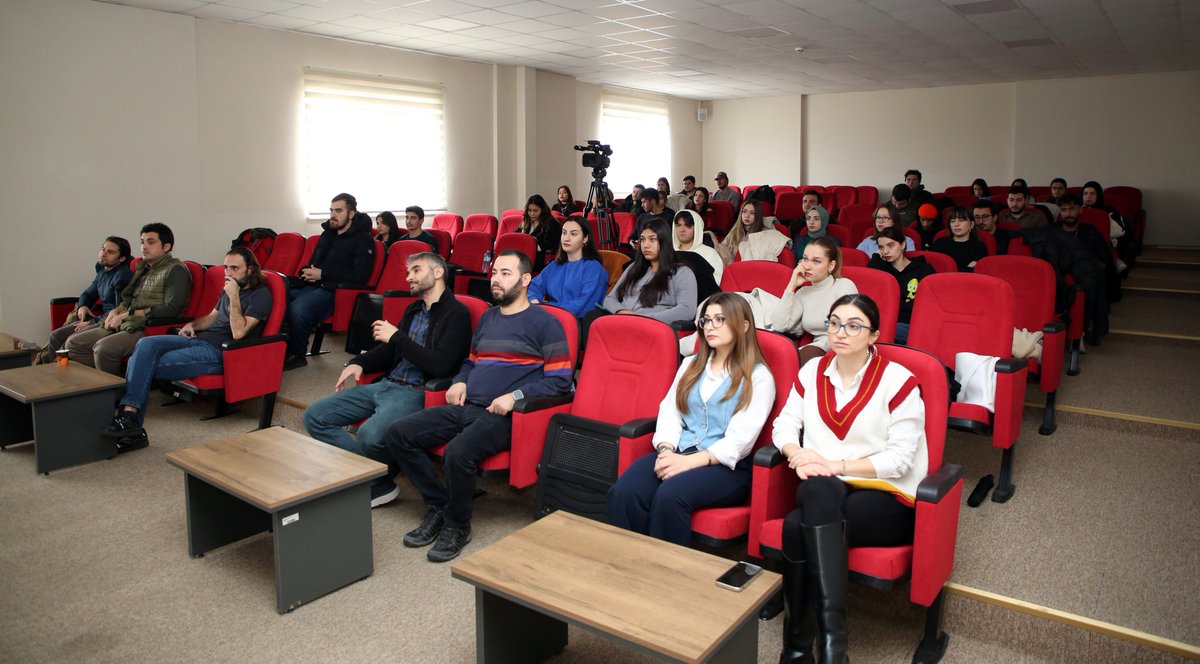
(62, 409)
(656, 597)
(314, 498)
(12, 356)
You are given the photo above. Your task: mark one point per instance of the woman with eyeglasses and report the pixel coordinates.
(885, 216)
(656, 284)
(815, 284)
(860, 460)
(707, 425)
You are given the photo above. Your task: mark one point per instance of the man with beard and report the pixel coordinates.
(519, 351)
(430, 342)
(344, 254)
(244, 302)
(112, 276)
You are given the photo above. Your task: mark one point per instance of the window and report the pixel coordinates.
(639, 132)
(381, 140)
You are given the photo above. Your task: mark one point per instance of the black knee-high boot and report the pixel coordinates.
(827, 562)
(799, 622)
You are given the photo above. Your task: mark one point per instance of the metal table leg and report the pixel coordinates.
(67, 430)
(508, 632)
(322, 545)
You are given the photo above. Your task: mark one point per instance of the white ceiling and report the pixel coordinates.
(724, 49)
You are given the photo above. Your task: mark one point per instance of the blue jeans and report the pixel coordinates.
(307, 308)
(902, 333)
(380, 403)
(641, 502)
(166, 357)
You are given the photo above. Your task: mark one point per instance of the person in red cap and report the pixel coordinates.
(929, 222)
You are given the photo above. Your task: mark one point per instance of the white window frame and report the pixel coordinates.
(382, 140)
(639, 131)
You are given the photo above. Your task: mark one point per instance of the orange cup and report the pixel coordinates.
(61, 357)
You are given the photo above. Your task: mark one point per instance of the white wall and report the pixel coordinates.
(1133, 130)
(755, 141)
(99, 136)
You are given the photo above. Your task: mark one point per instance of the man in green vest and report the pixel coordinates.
(160, 289)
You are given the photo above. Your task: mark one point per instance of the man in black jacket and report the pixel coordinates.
(431, 342)
(345, 254)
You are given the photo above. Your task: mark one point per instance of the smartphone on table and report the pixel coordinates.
(737, 577)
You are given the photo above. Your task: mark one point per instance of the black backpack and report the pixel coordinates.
(764, 193)
(260, 242)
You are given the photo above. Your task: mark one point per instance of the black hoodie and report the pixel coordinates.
(916, 270)
(345, 258)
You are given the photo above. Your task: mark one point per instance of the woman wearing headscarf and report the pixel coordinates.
(816, 225)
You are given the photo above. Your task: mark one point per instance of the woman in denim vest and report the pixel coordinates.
(707, 425)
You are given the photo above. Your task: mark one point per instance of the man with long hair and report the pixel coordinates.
(196, 350)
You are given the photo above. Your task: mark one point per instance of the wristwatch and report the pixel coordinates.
(663, 447)
(517, 395)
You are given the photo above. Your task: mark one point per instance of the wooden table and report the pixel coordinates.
(657, 597)
(61, 409)
(12, 355)
(314, 498)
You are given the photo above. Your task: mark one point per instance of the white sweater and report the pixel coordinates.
(884, 424)
(807, 309)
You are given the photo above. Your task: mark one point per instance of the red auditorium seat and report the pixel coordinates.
(884, 290)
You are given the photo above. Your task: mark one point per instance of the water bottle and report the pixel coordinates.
(487, 262)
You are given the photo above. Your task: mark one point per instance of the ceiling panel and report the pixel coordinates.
(718, 49)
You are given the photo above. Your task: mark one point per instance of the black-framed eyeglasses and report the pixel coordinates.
(716, 322)
(852, 328)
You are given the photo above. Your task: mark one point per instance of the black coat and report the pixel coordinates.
(345, 258)
(446, 341)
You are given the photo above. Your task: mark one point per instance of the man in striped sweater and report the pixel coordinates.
(518, 352)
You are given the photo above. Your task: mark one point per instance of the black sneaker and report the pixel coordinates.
(123, 425)
(450, 543)
(383, 492)
(131, 443)
(294, 362)
(424, 534)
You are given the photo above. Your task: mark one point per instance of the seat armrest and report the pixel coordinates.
(250, 343)
(160, 322)
(1011, 365)
(349, 286)
(684, 326)
(639, 427)
(768, 456)
(1053, 327)
(397, 293)
(64, 300)
(533, 404)
(439, 384)
(937, 484)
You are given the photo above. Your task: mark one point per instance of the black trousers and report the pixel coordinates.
(873, 518)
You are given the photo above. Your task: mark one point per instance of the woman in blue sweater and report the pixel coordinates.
(576, 280)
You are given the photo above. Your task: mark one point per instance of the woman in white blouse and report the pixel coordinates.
(860, 461)
(707, 425)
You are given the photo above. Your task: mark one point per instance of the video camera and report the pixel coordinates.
(598, 157)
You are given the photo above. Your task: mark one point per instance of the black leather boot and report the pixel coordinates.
(827, 563)
(799, 622)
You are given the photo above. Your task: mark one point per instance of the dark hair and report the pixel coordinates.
(1070, 199)
(901, 192)
(1020, 190)
(690, 177)
(668, 263)
(892, 233)
(524, 265)
(1064, 182)
(1099, 192)
(703, 208)
(987, 191)
(122, 246)
(415, 209)
(1023, 184)
(981, 203)
(435, 260)
(913, 171)
(544, 218)
(570, 196)
(814, 192)
(254, 273)
(650, 195)
(590, 252)
(663, 179)
(959, 212)
(832, 251)
(350, 201)
(389, 220)
(164, 233)
(687, 218)
(863, 303)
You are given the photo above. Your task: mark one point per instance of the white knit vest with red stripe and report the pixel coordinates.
(860, 429)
